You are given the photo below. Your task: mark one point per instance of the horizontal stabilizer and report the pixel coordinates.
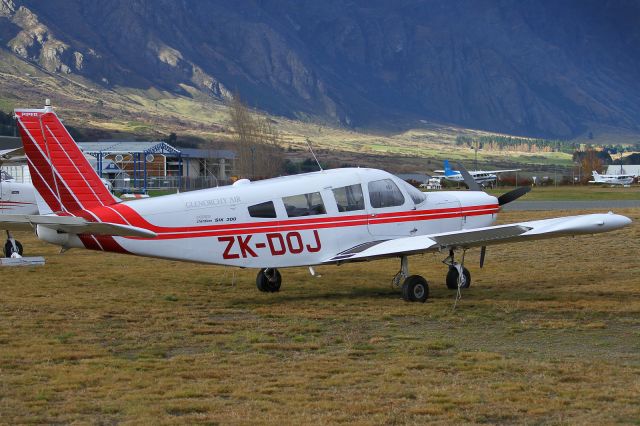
(72, 225)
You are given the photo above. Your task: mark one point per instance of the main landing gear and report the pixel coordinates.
(12, 248)
(414, 287)
(269, 280)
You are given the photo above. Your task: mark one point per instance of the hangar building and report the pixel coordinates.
(144, 165)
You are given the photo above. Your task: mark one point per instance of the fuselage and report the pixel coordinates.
(479, 176)
(613, 179)
(287, 221)
(17, 198)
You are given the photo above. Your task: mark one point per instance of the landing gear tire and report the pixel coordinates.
(415, 289)
(452, 278)
(9, 249)
(269, 280)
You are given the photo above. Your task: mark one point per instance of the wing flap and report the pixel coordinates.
(480, 237)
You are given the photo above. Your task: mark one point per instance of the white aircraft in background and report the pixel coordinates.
(612, 179)
(321, 218)
(15, 199)
(483, 177)
(19, 198)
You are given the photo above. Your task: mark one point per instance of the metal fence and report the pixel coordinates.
(168, 183)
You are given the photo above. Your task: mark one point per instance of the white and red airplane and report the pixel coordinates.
(327, 217)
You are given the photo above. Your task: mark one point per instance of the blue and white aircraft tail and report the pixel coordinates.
(482, 177)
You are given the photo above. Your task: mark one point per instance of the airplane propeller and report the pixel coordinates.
(513, 195)
(468, 179)
(502, 200)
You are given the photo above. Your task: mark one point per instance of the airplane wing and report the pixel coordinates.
(491, 235)
(71, 225)
(12, 155)
(501, 171)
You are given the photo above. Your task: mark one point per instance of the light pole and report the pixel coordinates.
(476, 156)
(253, 162)
(555, 171)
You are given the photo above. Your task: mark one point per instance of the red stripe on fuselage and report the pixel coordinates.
(133, 218)
(104, 242)
(14, 202)
(284, 228)
(123, 214)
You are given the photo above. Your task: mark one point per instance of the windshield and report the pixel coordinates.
(416, 195)
(5, 176)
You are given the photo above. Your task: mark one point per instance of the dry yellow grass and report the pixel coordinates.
(549, 333)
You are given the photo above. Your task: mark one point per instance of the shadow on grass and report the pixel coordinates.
(366, 293)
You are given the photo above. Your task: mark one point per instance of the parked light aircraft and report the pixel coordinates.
(483, 177)
(15, 199)
(19, 198)
(612, 179)
(321, 218)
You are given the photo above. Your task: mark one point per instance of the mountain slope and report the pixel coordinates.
(556, 69)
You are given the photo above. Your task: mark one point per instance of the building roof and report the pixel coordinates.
(128, 147)
(208, 153)
(10, 142)
(418, 177)
(627, 169)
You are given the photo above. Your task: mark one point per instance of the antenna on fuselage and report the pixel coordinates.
(314, 154)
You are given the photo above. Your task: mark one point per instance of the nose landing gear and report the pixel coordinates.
(458, 276)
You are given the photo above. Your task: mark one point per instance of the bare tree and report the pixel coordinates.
(257, 143)
(590, 161)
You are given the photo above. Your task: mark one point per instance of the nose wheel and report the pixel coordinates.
(269, 280)
(458, 276)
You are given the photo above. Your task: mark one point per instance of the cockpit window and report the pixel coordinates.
(416, 195)
(349, 198)
(5, 176)
(265, 209)
(385, 193)
(304, 205)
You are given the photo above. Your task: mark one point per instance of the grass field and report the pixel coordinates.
(548, 333)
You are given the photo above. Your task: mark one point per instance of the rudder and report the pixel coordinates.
(60, 172)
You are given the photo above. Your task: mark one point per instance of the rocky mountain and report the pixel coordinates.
(547, 68)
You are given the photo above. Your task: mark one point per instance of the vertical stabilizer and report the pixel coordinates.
(61, 174)
(447, 169)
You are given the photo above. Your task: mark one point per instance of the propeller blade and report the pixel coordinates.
(513, 195)
(468, 179)
(483, 252)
